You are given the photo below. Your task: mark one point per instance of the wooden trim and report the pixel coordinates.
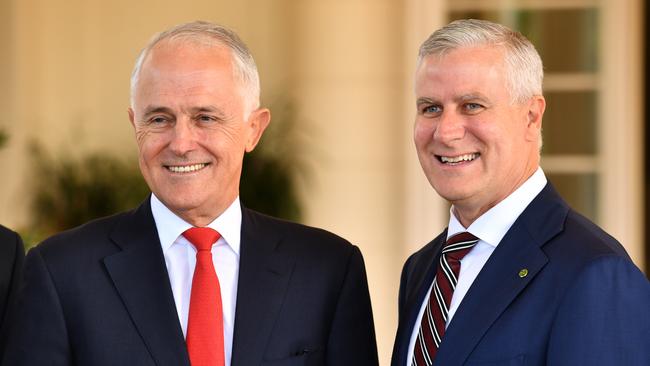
(501, 5)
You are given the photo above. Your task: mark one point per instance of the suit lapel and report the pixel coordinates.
(140, 277)
(419, 279)
(499, 281)
(264, 273)
(493, 290)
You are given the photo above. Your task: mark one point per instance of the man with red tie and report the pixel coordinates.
(517, 278)
(191, 276)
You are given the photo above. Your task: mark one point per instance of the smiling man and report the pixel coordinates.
(191, 276)
(518, 277)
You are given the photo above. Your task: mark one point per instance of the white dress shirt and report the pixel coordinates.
(490, 228)
(180, 258)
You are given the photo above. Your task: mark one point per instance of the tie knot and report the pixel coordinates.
(202, 237)
(459, 245)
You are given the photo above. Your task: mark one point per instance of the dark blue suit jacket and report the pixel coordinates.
(11, 262)
(583, 302)
(100, 295)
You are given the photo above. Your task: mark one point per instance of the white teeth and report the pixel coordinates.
(458, 159)
(186, 168)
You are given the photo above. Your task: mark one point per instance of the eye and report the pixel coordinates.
(431, 110)
(205, 118)
(472, 107)
(157, 120)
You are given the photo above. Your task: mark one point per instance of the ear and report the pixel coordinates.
(536, 107)
(131, 116)
(258, 121)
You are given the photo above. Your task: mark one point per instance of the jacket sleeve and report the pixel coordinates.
(38, 335)
(604, 318)
(352, 338)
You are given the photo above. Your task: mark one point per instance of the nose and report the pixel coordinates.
(183, 137)
(450, 127)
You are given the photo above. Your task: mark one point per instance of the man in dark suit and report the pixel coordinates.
(517, 278)
(11, 263)
(190, 276)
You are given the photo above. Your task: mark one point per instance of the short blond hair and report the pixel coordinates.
(524, 70)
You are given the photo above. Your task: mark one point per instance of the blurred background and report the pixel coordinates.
(337, 75)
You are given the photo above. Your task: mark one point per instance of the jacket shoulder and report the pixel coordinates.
(7, 234)
(583, 240)
(304, 236)
(10, 243)
(86, 237)
(582, 247)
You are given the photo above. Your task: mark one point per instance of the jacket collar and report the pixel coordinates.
(140, 277)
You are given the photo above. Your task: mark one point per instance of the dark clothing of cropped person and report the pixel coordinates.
(11, 262)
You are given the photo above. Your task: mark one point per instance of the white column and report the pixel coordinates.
(348, 82)
(620, 137)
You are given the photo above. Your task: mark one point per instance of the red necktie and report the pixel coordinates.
(434, 319)
(205, 323)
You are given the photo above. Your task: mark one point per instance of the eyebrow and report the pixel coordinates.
(423, 100)
(218, 112)
(461, 98)
(209, 109)
(155, 109)
(475, 96)
(203, 109)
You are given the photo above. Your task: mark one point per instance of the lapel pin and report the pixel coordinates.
(523, 273)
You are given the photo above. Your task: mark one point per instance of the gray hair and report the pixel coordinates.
(210, 34)
(524, 70)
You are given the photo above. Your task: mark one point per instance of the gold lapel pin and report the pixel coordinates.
(523, 273)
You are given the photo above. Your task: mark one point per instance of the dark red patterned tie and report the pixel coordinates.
(205, 321)
(432, 327)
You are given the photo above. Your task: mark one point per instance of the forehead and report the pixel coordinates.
(461, 71)
(186, 56)
(174, 70)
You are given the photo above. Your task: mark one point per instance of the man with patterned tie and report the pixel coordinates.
(191, 277)
(517, 278)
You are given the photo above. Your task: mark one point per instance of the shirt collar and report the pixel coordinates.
(170, 226)
(493, 225)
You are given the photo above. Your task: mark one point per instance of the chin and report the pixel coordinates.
(178, 199)
(451, 194)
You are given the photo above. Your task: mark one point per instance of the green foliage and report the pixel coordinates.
(266, 186)
(68, 192)
(271, 172)
(3, 138)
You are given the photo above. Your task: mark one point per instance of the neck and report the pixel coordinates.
(470, 210)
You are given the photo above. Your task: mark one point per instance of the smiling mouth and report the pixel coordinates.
(455, 160)
(186, 168)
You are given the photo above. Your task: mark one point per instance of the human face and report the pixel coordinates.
(189, 118)
(475, 145)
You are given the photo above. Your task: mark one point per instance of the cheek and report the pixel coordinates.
(140, 136)
(221, 135)
(226, 149)
(422, 132)
(149, 144)
(486, 132)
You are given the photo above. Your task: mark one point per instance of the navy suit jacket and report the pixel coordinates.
(583, 301)
(11, 261)
(100, 295)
